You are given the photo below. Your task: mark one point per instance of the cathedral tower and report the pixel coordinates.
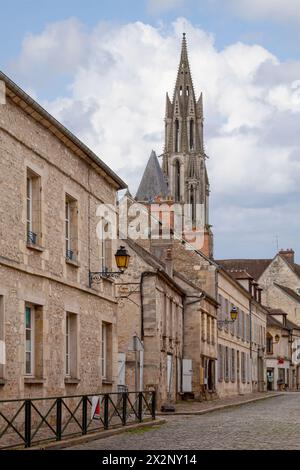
(184, 161)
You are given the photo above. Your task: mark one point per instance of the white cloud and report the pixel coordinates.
(59, 48)
(116, 99)
(270, 9)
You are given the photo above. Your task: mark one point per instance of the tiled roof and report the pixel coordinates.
(152, 183)
(254, 267)
(289, 291)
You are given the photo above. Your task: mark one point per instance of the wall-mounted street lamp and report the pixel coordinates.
(233, 315)
(122, 261)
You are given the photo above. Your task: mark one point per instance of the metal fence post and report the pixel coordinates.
(153, 404)
(84, 414)
(105, 411)
(27, 423)
(140, 407)
(58, 418)
(124, 408)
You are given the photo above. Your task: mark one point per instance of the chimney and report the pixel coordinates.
(169, 262)
(288, 254)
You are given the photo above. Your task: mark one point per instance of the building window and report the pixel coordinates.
(213, 338)
(71, 345)
(2, 338)
(30, 341)
(71, 228)
(176, 135)
(33, 341)
(233, 365)
(33, 208)
(269, 343)
(106, 248)
(226, 314)
(208, 326)
(248, 369)
(106, 350)
(191, 134)
(226, 374)
(177, 181)
(243, 367)
(220, 363)
(220, 309)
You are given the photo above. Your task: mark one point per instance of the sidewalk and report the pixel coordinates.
(198, 408)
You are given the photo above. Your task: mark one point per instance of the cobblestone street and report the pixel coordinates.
(268, 424)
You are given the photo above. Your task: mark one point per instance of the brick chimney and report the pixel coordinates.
(288, 254)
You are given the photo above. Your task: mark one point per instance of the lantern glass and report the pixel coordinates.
(122, 258)
(234, 313)
(277, 338)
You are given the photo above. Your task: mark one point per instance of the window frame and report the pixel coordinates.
(104, 354)
(68, 345)
(32, 340)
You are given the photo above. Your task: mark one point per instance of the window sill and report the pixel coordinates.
(74, 263)
(107, 382)
(34, 380)
(71, 381)
(31, 246)
(2, 382)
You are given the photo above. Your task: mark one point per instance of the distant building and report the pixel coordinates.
(282, 352)
(183, 177)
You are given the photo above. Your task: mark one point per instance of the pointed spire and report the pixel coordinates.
(152, 183)
(184, 77)
(200, 105)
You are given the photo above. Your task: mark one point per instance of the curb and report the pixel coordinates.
(218, 408)
(96, 436)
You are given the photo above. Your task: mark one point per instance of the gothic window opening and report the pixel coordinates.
(187, 91)
(180, 91)
(177, 181)
(193, 207)
(191, 134)
(176, 135)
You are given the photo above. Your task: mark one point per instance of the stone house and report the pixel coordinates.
(58, 330)
(282, 351)
(150, 326)
(241, 344)
(277, 283)
(167, 329)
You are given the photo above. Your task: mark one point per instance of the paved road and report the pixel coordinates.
(269, 424)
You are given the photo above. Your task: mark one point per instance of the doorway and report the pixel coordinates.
(270, 379)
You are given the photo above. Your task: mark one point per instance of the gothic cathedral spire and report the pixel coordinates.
(184, 162)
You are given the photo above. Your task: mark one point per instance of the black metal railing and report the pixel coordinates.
(32, 421)
(31, 238)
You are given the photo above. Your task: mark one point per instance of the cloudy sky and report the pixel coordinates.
(103, 68)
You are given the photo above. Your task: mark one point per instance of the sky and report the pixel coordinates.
(103, 68)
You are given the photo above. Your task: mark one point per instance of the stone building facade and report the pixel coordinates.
(282, 352)
(150, 326)
(241, 344)
(59, 331)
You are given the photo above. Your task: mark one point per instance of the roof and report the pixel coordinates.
(254, 267)
(37, 112)
(153, 183)
(239, 274)
(289, 291)
(272, 321)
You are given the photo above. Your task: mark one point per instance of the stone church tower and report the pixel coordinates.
(183, 177)
(184, 158)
